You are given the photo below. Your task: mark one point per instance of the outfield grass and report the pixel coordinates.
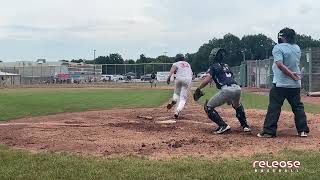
(256, 101)
(18, 103)
(16, 164)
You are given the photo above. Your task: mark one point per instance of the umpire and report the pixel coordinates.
(286, 85)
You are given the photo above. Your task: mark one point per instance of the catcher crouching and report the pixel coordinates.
(229, 92)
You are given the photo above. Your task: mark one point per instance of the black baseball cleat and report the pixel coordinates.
(303, 134)
(176, 115)
(169, 106)
(222, 129)
(265, 135)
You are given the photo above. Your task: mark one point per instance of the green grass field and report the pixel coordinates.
(18, 164)
(18, 103)
(255, 101)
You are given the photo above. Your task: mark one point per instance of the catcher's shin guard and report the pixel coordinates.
(214, 115)
(241, 115)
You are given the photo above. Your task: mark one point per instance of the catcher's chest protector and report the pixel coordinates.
(222, 75)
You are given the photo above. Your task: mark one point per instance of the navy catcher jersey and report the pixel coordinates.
(221, 74)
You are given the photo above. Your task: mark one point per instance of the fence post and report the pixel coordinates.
(310, 69)
(259, 70)
(135, 69)
(22, 73)
(257, 73)
(32, 74)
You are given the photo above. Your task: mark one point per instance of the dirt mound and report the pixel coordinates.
(122, 132)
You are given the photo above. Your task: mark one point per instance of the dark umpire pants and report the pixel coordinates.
(276, 98)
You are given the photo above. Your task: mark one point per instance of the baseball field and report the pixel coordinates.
(125, 132)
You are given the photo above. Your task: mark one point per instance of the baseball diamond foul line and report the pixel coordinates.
(89, 125)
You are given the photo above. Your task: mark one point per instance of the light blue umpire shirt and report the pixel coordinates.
(289, 55)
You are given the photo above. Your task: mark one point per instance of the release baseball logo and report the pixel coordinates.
(276, 166)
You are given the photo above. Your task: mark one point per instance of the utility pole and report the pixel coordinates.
(94, 64)
(243, 55)
(165, 60)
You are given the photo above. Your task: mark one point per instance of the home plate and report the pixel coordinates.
(166, 122)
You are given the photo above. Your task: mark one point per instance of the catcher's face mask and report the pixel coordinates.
(217, 55)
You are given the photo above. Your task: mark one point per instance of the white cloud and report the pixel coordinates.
(133, 27)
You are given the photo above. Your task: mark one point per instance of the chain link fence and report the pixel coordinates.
(75, 73)
(35, 74)
(259, 74)
(137, 69)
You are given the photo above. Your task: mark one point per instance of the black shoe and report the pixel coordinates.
(222, 129)
(176, 116)
(169, 106)
(265, 135)
(303, 134)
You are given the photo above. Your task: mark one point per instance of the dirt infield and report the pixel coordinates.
(121, 132)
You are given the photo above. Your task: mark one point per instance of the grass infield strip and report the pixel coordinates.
(17, 164)
(18, 103)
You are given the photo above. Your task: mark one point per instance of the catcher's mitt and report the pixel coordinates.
(197, 94)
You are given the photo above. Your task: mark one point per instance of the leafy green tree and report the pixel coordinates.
(257, 46)
(163, 59)
(129, 61)
(102, 60)
(305, 41)
(77, 61)
(233, 46)
(200, 59)
(115, 59)
(144, 59)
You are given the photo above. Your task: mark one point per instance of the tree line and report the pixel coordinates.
(249, 47)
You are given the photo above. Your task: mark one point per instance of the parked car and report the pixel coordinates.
(202, 75)
(120, 77)
(107, 77)
(146, 77)
(131, 75)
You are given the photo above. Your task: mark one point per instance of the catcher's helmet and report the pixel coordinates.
(179, 57)
(217, 55)
(288, 34)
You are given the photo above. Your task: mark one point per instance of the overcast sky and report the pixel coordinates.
(72, 29)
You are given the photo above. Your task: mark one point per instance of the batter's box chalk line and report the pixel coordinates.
(166, 122)
(48, 124)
